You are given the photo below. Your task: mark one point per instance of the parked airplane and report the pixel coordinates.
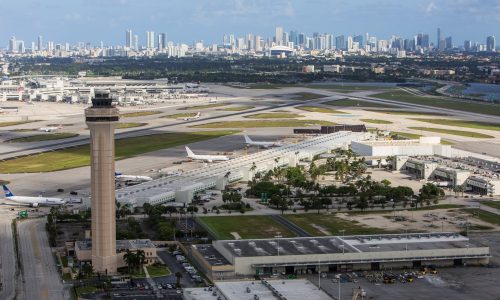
(50, 128)
(135, 178)
(197, 116)
(207, 158)
(31, 201)
(249, 142)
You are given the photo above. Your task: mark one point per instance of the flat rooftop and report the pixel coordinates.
(121, 245)
(350, 244)
(211, 255)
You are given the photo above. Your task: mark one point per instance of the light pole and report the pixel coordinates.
(339, 289)
(319, 274)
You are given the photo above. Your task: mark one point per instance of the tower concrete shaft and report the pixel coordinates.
(101, 119)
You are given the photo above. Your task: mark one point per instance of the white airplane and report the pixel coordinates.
(207, 158)
(31, 201)
(249, 142)
(135, 178)
(50, 128)
(197, 116)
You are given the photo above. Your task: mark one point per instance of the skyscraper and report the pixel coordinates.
(467, 45)
(128, 39)
(438, 37)
(40, 43)
(278, 37)
(359, 39)
(136, 42)
(12, 44)
(490, 43)
(340, 42)
(150, 39)
(160, 42)
(448, 43)
(101, 118)
(349, 43)
(164, 40)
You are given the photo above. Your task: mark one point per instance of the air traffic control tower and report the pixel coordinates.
(101, 119)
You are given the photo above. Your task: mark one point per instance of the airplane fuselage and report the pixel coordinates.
(35, 201)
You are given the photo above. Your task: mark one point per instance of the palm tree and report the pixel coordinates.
(141, 258)
(129, 257)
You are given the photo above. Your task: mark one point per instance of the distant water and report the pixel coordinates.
(490, 91)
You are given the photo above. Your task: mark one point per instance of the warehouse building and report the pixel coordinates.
(421, 146)
(239, 258)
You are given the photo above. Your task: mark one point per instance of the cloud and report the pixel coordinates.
(431, 7)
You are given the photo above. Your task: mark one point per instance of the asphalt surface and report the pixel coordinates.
(7, 260)
(41, 280)
(291, 226)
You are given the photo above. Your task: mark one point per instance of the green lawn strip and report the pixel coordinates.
(405, 112)
(43, 137)
(431, 207)
(331, 224)
(274, 115)
(303, 96)
(376, 121)
(319, 109)
(348, 87)
(248, 227)
(485, 216)
(461, 123)
(474, 107)
(204, 106)
(13, 123)
(454, 132)
(80, 156)
(140, 114)
(180, 115)
(493, 204)
(266, 123)
(406, 135)
(237, 108)
(129, 125)
(356, 103)
(158, 270)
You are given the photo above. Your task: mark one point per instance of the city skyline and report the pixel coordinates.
(189, 21)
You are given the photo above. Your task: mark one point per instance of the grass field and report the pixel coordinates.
(125, 148)
(330, 225)
(266, 123)
(307, 96)
(248, 227)
(274, 115)
(204, 106)
(140, 114)
(494, 204)
(485, 216)
(455, 132)
(237, 108)
(43, 137)
(157, 271)
(406, 112)
(439, 102)
(407, 135)
(351, 102)
(319, 109)
(180, 115)
(462, 123)
(376, 121)
(129, 125)
(13, 123)
(347, 88)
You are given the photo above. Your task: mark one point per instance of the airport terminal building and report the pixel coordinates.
(224, 259)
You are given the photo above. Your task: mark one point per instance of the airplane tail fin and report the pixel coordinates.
(189, 152)
(7, 192)
(118, 173)
(247, 139)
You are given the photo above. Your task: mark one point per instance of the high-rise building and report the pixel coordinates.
(490, 43)
(425, 41)
(128, 39)
(448, 43)
(150, 39)
(359, 39)
(340, 42)
(438, 37)
(278, 37)
(467, 45)
(163, 40)
(101, 118)
(159, 43)
(136, 42)
(258, 45)
(40, 43)
(12, 44)
(349, 43)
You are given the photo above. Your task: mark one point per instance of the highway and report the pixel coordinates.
(7, 259)
(41, 280)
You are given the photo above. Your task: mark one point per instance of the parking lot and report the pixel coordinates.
(448, 283)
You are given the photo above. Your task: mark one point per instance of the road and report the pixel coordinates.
(40, 277)
(7, 260)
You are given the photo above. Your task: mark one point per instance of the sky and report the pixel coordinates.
(193, 20)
